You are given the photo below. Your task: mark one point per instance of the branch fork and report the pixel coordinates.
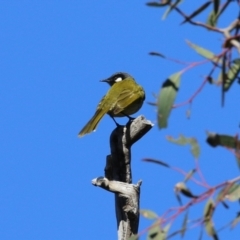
(118, 175)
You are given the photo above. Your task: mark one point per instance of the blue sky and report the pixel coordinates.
(53, 54)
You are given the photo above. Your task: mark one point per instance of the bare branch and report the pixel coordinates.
(118, 175)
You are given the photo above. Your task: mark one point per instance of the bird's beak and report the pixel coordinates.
(105, 80)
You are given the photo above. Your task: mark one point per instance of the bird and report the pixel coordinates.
(125, 97)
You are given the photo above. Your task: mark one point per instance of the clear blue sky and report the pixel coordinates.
(53, 54)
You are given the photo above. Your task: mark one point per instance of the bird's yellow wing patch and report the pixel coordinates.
(124, 100)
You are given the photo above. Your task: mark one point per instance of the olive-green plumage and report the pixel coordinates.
(125, 97)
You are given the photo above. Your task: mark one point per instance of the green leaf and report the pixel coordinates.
(174, 234)
(152, 104)
(196, 12)
(232, 74)
(157, 162)
(227, 141)
(210, 79)
(157, 4)
(212, 19)
(223, 192)
(237, 154)
(224, 7)
(225, 205)
(203, 52)
(182, 140)
(157, 54)
(208, 212)
(182, 188)
(188, 113)
(154, 232)
(189, 175)
(216, 4)
(184, 225)
(214, 14)
(195, 149)
(209, 209)
(133, 237)
(162, 235)
(166, 98)
(223, 76)
(148, 214)
(166, 228)
(233, 193)
(170, 9)
(164, 232)
(235, 221)
(215, 140)
(210, 229)
(178, 198)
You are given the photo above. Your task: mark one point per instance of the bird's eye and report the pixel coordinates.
(119, 79)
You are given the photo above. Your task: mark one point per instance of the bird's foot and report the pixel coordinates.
(117, 124)
(130, 119)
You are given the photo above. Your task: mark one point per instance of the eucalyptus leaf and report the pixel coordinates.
(166, 98)
(203, 52)
(197, 11)
(232, 74)
(148, 214)
(171, 7)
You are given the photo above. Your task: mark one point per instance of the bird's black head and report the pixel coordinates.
(117, 77)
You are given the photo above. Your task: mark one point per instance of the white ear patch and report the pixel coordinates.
(119, 79)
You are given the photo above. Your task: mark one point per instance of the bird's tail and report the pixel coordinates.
(93, 122)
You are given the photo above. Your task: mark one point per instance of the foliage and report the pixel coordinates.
(227, 66)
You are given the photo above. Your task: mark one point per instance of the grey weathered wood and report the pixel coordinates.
(118, 175)
(127, 204)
